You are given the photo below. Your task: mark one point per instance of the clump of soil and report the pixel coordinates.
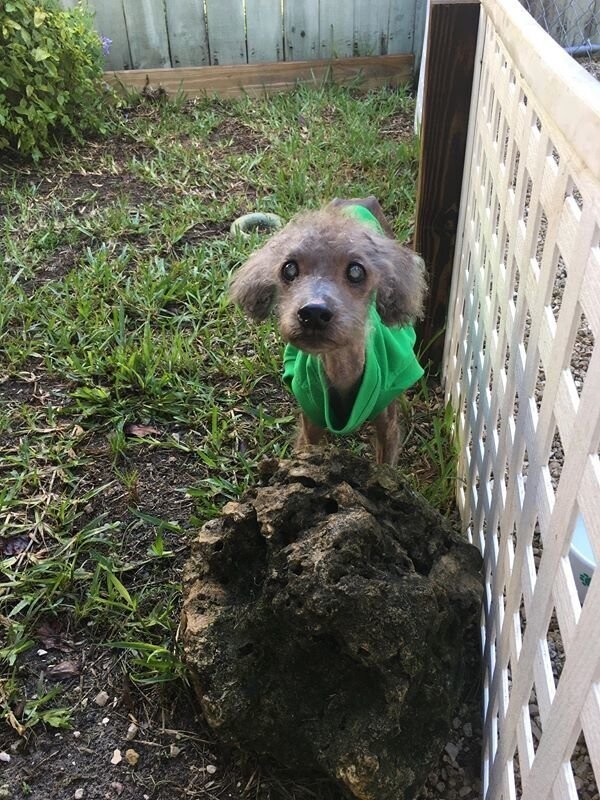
(330, 619)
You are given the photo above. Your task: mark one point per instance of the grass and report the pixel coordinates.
(134, 400)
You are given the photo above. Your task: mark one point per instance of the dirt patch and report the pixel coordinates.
(93, 190)
(201, 232)
(237, 137)
(400, 128)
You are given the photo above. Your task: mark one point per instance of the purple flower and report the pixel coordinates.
(106, 43)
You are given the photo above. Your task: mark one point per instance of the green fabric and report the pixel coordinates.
(362, 214)
(391, 367)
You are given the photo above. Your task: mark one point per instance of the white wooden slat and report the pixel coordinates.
(226, 32)
(579, 673)
(591, 290)
(336, 29)
(588, 499)
(147, 33)
(371, 26)
(264, 30)
(590, 716)
(188, 34)
(301, 29)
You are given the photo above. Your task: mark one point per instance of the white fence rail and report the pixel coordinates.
(150, 34)
(522, 369)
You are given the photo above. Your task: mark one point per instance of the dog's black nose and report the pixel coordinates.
(315, 315)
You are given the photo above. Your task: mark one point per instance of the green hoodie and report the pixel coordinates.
(390, 367)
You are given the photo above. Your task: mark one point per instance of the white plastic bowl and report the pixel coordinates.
(581, 555)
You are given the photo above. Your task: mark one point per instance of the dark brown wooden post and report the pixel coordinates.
(452, 42)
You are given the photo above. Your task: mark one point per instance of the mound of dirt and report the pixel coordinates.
(330, 619)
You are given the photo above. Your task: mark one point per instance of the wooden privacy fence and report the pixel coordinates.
(149, 34)
(522, 369)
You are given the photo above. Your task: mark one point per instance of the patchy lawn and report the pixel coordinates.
(134, 401)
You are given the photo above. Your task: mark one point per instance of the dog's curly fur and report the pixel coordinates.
(322, 244)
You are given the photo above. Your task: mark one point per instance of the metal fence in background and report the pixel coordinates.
(574, 24)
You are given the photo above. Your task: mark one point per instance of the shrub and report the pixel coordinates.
(51, 66)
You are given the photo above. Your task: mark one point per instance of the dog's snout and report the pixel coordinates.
(315, 315)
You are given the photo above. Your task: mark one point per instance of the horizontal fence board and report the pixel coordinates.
(260, 79)
(264, 31)
(227, 37)
(147, 32)
(188, 34)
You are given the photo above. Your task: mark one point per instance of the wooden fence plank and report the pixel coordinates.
(264, 31)
(110, 21)
(235, 81)
(402, 25)
(226, 34)
(336, 30)
(371, 25)
(147, 33)
(446, 101)
(301, 29)
(188, 35)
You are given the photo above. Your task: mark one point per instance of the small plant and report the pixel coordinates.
(51, 64)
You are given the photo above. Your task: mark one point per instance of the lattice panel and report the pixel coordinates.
(523, 373)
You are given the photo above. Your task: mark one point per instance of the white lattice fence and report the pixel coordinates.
(523, 372)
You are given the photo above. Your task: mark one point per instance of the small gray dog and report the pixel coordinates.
(346, 294)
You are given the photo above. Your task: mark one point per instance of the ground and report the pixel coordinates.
(134, 402)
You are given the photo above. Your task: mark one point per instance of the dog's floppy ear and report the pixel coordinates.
(401, 282)
(254, 285)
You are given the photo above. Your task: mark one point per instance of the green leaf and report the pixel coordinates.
(39, 54)
(38, 17)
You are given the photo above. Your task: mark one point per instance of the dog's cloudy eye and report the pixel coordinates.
(355, 272)
(289, 271)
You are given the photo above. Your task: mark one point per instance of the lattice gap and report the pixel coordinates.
(505, 143)
(581, 354)
(541, 237)
(574, 194)
(558, 286)
(515, 168)
(527, 330)
(556, 458)
(540, 385)
(526, 198)
(583, 773)
(556, 650)
(505, 246)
